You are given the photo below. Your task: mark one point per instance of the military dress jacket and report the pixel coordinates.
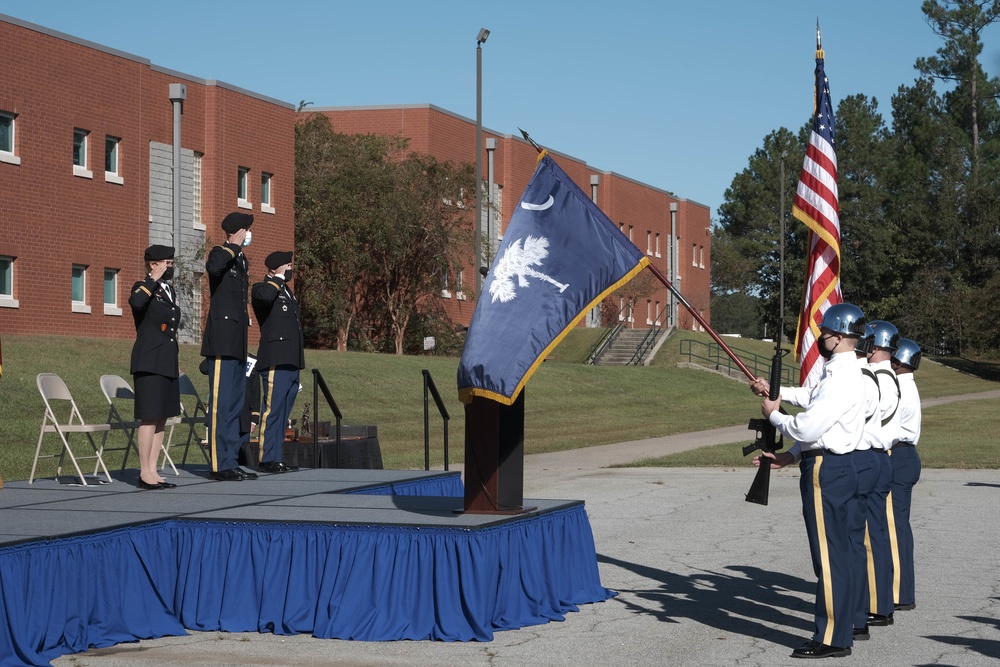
(277, 312)
(156, 318)
(228, 321)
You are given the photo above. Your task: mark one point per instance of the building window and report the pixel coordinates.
(630, 232)
(80, 154)
(265, 193)
(621, 227)
(7, 299)
(196, 193)
(444, 284)
(7, 139)
(649, 311)
(649, 243)
(694, 254)
(701, 256)
(459, 283)
(80, 289)
(111, 172)
(242, 195)
(111, 293)
(657, 312)
(657, 245)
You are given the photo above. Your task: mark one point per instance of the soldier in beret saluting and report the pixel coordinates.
(154, 360)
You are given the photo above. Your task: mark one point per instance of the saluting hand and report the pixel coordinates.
(157, 269)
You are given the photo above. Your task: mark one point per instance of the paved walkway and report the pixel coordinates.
(704, 578)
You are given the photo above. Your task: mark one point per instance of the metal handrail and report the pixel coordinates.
(320, 384)
(430, 387)
(644, 346)
(759, 364)
(609, 336)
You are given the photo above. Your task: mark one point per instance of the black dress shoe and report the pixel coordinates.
(275, 467)
(167, 485)
(246, 474)
(879, 620)
(862, 633)
(231, 475)
(146, 486)
(905, 607)
(814, 649)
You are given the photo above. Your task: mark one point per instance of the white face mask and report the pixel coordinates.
(246, 241)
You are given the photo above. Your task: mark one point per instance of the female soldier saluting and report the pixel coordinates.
(154, 360)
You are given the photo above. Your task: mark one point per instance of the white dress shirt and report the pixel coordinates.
(833, 418)
(909, 410)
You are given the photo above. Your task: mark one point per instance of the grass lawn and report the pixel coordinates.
(568, 404)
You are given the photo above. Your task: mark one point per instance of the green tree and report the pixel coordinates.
(375, 225)
(960, 24)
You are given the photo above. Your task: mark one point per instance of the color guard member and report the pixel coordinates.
(905, 472)
(825, 433)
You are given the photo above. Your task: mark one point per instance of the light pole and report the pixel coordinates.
(781, 260)
(480, 39)
(491, 145)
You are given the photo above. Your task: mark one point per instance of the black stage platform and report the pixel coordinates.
(351, 554)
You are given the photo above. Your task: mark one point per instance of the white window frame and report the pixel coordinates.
(694, 254)
(7, 300)
(649, 243)
(657, 246)
(266, 183)
(656, 317)
(114, 176)
(649, 312)
(81, 170)
(630, 232)
(701, 257)
(10, 157)
(111, 308)
(459, 284)
(445, 293)
(196, 193)
(243, 188)
(79, 306)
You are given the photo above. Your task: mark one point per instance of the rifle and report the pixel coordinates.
(768, 438)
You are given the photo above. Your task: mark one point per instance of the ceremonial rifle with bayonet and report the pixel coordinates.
(768, 439)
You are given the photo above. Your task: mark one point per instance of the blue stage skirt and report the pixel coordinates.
(332, 581)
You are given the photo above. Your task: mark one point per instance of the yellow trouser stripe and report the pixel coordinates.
(891, 521)
(824, 551)
(872, 586)
(212, 438)
(269, 402)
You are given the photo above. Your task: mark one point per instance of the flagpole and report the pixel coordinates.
(701, 320)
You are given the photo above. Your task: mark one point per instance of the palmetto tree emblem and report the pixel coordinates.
(517, 261)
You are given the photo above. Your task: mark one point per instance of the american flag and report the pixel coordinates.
(816, 206)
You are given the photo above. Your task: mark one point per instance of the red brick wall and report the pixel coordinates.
(439, 133)
(51, 219)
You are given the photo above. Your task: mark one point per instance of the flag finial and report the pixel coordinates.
(530, 140)
(819, 41)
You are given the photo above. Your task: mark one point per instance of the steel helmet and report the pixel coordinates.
(844, 318)
(865, 344)
(884, 334)
(907, 353)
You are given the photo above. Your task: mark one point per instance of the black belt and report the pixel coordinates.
(880, 450)
(902, 444)
(810, 453)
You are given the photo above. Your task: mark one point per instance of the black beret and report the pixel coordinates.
(236, 221)
(278, 258)
(156, 253)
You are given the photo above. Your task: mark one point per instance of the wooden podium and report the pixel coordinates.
(494, 457)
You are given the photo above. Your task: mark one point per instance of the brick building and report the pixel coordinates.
(644, 213)
(86, 150)
(86, 155)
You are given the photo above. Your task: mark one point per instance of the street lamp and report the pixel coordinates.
(480, 39)
(491, 145)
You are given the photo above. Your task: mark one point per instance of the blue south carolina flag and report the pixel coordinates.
(559, 257)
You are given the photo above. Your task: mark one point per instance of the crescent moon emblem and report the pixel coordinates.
(539, 207)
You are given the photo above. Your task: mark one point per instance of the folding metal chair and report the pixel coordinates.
(116, 387)
(196, 416)
(53, 389)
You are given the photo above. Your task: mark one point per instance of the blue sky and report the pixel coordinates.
(674, 94)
